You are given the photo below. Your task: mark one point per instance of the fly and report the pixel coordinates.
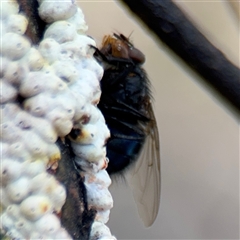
(126, 105)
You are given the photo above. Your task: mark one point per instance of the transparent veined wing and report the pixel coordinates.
(145, 175)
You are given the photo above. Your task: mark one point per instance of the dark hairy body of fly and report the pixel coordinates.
(125, 92)
(124, 101)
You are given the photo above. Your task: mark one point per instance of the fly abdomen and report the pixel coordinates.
(123, 152)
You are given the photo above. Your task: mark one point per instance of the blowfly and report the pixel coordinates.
(126, 105)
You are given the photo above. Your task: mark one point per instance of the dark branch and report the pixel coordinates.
(172, 27)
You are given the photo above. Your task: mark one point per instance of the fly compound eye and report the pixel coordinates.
(136, 55)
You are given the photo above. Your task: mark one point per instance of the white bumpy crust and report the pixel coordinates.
(59, 82)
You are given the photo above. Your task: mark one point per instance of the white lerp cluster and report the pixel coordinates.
(57, 83)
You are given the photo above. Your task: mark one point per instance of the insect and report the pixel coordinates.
(126, 105)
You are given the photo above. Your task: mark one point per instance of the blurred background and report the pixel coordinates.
(199, 132)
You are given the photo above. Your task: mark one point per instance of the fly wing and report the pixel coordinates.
(145, 175)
